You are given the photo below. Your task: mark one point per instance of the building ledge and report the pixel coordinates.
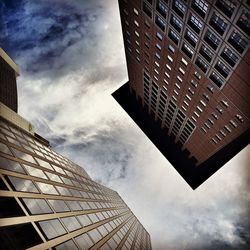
(10, 62)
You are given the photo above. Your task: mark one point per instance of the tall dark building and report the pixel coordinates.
(8, 88)
(188, 64)
(49, 202)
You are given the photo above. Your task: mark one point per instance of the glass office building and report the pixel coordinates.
(49, 202)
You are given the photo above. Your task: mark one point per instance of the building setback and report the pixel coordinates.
(188, 64)
(49, 202)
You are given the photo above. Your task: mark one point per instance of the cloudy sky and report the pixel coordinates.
(72, 58)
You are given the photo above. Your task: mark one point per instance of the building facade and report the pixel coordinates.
(188, 63)
(49, 202)
(8, 88)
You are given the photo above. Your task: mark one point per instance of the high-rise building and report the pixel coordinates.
(8, 88)
(49, 202)
(188, 64)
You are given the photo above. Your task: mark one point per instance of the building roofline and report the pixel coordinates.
(11, 63)
(11, 116)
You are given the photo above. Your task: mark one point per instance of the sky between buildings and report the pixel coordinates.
(72, 58)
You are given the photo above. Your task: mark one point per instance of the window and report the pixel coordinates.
(37, 206)
(188, 97)
(182, 71)
(67, 245)
(233, 123)
(23, 156)
(216, 79)
(52, 228)
(147, 23)
(59, 205)
(44, 164)
(210, 88)
(218, 23)
(207, 125)
(212, 39)
(201, 64)
(147, 10)
(203, 103)
(194, 84)
(238, 42)
(160, 22)
(168, 67)
(156, 71)
(167, 75)
(179, 78)
(211, 121)
(196, 114)
(222, 69)
(187, 50)
(219, 109)
(227, 129)
(162, 8)
(171, 48)
(184, 61)
(159, 36)
(125, 12)
(200, 109)
(47, 188)
(176, 22)
(53, 177)
(239, 118)
(226, 6)
(73, 205)
(206, 53)
(136, 23)
(200, 6)
(157, 64)
(244, 22)
(177, 85)
(191, 38)
(11, 165)
(84, 240)
(136, 11)
(204, 130)
(71, 223)
(170, 58)
(230, 56)
(35, 172)
(158, 46)
(215, 116)
(23, 185)
(190, 91)
(214, 141)
(223, 133)
(197, 75)
(179, 7)
(195, 23)
(173, 36)
(137, 34)
(206, 96)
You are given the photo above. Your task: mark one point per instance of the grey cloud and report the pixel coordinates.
(68, 99)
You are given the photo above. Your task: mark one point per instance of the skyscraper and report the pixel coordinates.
(49, 202)
(8, 88)
(188, 64)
